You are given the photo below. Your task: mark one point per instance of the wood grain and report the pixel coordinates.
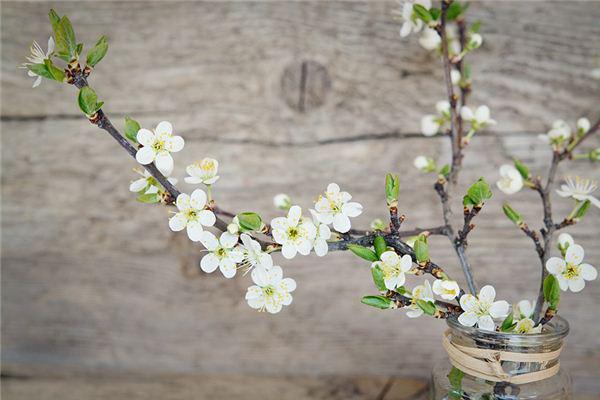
(93, 280)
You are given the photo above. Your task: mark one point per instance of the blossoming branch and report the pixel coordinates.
(246, 242)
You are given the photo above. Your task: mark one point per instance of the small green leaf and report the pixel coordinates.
(377, 274)
(377, 301)
(466, 71)
(131, 129)
(79, 48)
(56, 73)
(476, 27)
(454, 10)
(508, 324)
(445, 171)
(478, 193)
(149, 198)
(379, 245)
(392, 188)
(88, 101)
(402, 290)
(427, 306)
(69, 36)
(41, 70)
(582, 210)
(512, 214)
(522, 168)
(421, 250)
(249, 221)
(552, 291)
(421, 13)
(97, 52)
(363, 252)
(435, 13)
(455, 378)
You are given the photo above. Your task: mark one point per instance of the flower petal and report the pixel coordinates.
(468, 318)
(145, 155)
(321, 247)
(194, 230)
(145, 137)
(304, 247)
(164, 162)
(288, 250)
(486, 323)
(275, 274)
(260, 277)
(487, 294)
(352, 209)
(138, 185)
(341, 223)
(174, 144)
(198, 199)
(209, 241)
(555, 265)
(499, 309)
(207, 218)
(576, 284)
(574, 254)
(164, 128)
(209, 263)
(289, 284)
(177, 222)
(588, 272)
(227, 268)
(294, 215)
(228, 240)
(405, 263)
(469, 303)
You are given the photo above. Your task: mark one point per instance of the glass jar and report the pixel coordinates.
(449, 383)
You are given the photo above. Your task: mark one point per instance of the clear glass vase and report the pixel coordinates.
(449, 383)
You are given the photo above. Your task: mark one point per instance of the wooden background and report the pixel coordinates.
(94, 283)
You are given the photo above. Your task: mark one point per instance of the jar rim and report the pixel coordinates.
(559, 325)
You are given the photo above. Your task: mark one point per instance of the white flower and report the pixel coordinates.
(560, 132)
(234, 226)
(323, 235)
(430, 125)
(394, 268)
(523, 309)
(158, 146)
(478, 119)
(570, 272)
(147, 183)
(192, 215)
(527, 326)
(282, 201)
(511, 180)
(294, 233)
(430, 39)
(443, 108)
(222, 253)
(420, 292)
(455, 76)
(564, 242)
(335, 207)
(203, 171)
(270, 291)
(254, 257)
(583, 125)
(475, 41)
(424, 164)
(482, 309)
(446, 289)
(411, 23)
(580, 189)
(37, 57)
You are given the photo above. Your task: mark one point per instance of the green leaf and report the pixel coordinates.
(88, 101)
(79, 49)
(131, 129)
(149, 198)
(427, 306)
(421, 13)
(41, 70)
(552, 291)
(478, 193)
(56, 73)
(455, 378)
(445, 171)
(522, 168)
(402, 290)
(508, 324)
(377, 274)
(392, 188)
(97, 52)
(249, 221)
(466, 72)
(379, 245)
(421, 250)
(363, 252)
(69, 36)
(377, 301)
(435, 13)
(476, 27)
(582, 210)
(512, 214)
(454, 11)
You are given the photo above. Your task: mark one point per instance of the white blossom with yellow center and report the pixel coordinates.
(191, 215)
(222, 253)
(158, 146)
(482, 310)
(479, 119)
(271, 291)
(527, 326)
(446, 289)
(336, 208)
(295, 233)
(38, 56)
(420, 292)
(204, 171)
(580, 189)
(510, 181)
(394, 268)
(253, 255)
(570, 272)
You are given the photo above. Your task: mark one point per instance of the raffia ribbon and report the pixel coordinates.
(486, 364)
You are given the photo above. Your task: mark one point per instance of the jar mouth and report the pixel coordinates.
(557, 328)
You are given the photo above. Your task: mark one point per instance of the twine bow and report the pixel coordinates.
(486, 363)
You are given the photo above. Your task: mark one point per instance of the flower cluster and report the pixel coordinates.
(570, 270)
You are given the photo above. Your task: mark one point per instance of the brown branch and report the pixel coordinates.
(469, 214)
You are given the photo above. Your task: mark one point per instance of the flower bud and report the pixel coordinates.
(282, 201)
(424, 164)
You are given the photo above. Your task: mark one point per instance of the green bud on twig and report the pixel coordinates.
(551, 291)
(512, 214)
(131, 129)
(363, 252)
(249, 221)
(392, 189)
(88, 101)
(97, 52)
(377, 301)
